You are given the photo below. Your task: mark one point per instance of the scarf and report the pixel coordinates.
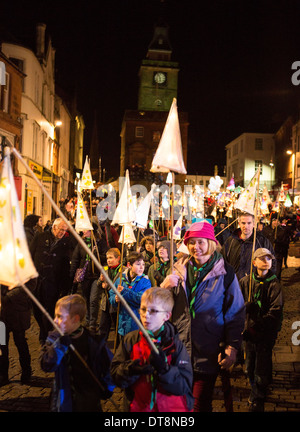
(131, 282)
(257, 297)
(163, 267)
(157, 341)
(196, 275)
(88, 242)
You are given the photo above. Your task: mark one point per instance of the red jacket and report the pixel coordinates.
(168, 392)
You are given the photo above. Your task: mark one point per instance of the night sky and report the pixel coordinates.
(235, 61)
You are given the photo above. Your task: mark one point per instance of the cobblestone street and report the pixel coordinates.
(284, 393)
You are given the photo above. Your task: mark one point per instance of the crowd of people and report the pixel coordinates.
(212, 292)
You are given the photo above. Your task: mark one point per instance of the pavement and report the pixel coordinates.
(284, 395)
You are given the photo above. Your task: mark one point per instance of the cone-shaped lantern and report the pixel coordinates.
(16, 263)
(168, 156)
(86, 178)
(125, 212)
(142, 212)
(83, 222)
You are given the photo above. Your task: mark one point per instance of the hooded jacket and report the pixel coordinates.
(172, 389)
(74, 388)
(219, 315)
(132, 293)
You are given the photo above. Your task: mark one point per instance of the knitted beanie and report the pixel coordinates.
(201, 229)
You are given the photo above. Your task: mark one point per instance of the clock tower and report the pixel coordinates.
(158, 74)
(142, 128)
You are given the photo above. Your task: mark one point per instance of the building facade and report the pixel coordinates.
(47, 128)
(246, 153)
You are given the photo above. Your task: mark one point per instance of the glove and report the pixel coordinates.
(159, 361)
(136, 369)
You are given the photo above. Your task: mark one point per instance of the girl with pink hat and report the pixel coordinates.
(208, 309)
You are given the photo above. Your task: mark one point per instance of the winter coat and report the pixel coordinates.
(132, 293)
(51, 260)
(265, 310)
(75, 390)
(238, 252)
(16, 307)
(174, 387)
(219, 314)
(157, 272)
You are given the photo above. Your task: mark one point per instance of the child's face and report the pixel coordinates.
(66, 323)
(153, 315)
(149, 246)
(163, 253)
(263, 263)
(137, 267)
(112, 261)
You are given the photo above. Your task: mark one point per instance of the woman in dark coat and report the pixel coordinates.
(30, 227)
(16, 315)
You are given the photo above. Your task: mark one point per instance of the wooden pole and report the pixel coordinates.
(172, 223)
(120, 275)
(254, 234)
(226, 227)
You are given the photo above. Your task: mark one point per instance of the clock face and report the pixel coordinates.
(160, 77)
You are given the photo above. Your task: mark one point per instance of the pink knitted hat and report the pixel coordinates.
(201, 229)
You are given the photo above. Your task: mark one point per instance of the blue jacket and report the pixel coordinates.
(219, 315)
(132, 293)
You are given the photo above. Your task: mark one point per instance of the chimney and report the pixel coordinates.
(40, 40)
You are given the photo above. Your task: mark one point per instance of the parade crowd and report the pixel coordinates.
(217, 302)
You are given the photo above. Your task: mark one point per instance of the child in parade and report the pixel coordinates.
(263, 321)
(148, 252)
(75, 389)
(155, 382)
(159, 270)
(108, 312)
(131, 285)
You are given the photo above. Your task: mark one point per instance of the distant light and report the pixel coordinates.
(58, 123)
(289, 152)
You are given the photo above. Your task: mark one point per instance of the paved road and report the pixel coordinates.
(284, 392)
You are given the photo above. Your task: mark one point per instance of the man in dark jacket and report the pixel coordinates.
(237, 249)
(51, 257)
